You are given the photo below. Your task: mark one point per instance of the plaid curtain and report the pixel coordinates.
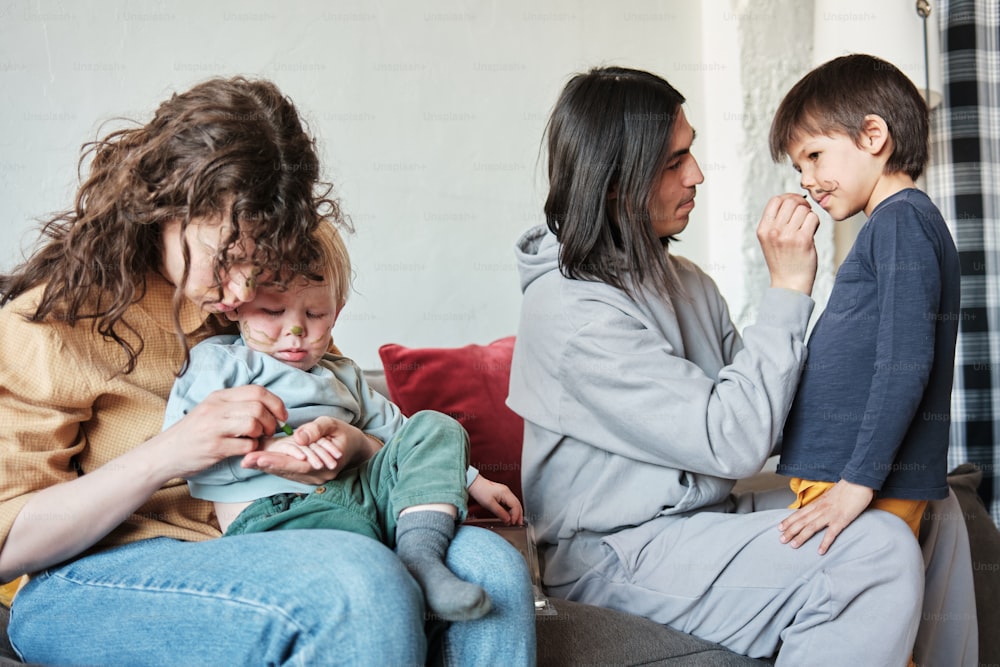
(964, 181)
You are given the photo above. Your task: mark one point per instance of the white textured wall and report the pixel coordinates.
(771, 67)
(748, 70)
(429, 116)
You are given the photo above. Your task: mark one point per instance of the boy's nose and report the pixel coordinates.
(296, 330)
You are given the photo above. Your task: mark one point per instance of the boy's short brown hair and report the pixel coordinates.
(835, 98)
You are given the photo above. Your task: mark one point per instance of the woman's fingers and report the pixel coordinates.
(229, 422)
(250, 409)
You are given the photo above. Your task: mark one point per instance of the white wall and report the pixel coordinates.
(429, 115)
(746, 72)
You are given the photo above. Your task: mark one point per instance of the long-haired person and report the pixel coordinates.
(643, 405)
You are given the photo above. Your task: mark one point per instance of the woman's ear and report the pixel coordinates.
(875, 134)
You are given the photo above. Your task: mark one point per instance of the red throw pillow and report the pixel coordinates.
(470, 384)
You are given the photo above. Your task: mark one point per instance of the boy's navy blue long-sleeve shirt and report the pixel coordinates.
(874, 401)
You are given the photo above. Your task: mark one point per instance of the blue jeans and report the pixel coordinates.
(309, 597)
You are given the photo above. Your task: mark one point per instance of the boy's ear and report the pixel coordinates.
(874, 134)
(333, 346)
(336, 315)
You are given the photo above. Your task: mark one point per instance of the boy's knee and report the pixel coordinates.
(431, 419)
(439, 426)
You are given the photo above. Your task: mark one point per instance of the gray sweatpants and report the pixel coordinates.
(725, 577)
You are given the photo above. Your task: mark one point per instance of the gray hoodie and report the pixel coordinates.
(636, 409)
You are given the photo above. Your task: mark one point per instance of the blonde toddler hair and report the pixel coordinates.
(333, 262)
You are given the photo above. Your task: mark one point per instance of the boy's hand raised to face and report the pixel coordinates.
(785, 234)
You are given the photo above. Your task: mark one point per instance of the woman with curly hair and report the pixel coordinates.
(171, 227)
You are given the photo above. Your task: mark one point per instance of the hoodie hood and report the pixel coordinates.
(537, 253)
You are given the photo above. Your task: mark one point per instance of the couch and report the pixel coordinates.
(470, 383)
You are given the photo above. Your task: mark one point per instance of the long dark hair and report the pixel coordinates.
(609, 134)
(227, 146)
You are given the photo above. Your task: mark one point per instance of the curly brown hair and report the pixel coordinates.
(229, 146)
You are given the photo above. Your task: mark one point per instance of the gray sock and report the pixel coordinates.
(422, 540)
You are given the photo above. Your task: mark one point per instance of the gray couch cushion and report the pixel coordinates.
(984, 543)
(584, 634)
(7, 655)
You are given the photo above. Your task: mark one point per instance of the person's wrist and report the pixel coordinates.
(374, 444)
(804, 286)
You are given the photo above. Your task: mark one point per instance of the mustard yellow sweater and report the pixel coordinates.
(62, 396)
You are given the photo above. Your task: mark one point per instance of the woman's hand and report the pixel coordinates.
(497, 498)
(336, 443)
(834, 510)
(785, 234)
(229, 422)
(86, 508)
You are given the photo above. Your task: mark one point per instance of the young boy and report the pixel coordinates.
(869, 424)
(410, 493)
